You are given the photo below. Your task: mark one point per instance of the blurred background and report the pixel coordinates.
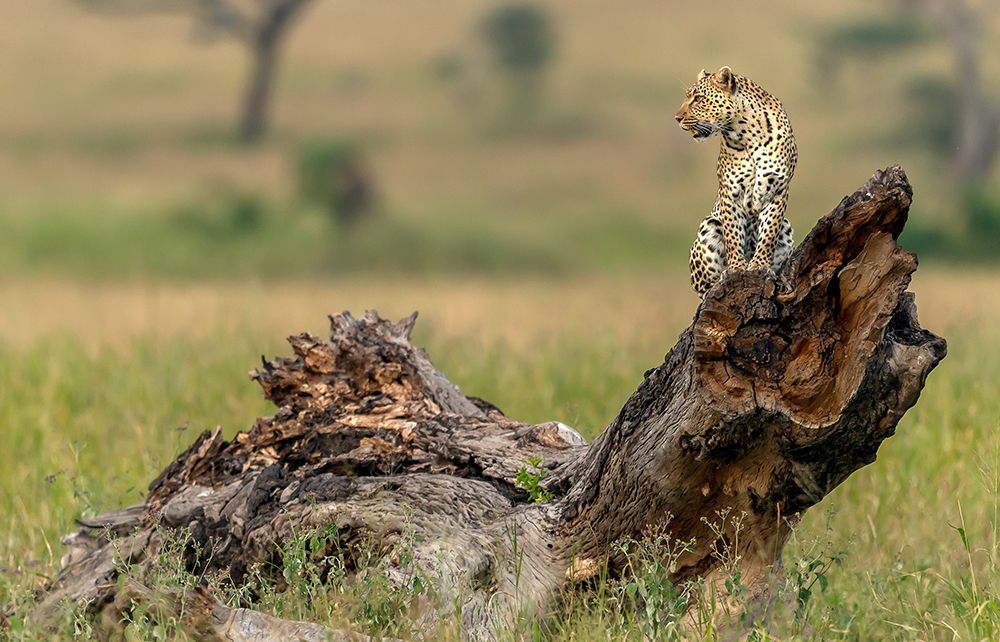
(282, 139)
(183, 183)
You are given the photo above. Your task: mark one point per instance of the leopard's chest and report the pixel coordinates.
(753, 178)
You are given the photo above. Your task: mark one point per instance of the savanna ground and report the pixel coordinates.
(148, 260)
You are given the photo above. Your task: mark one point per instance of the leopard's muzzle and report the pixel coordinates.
(699, 129)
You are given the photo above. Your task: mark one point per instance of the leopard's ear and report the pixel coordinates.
(703, 74)
(726, 79)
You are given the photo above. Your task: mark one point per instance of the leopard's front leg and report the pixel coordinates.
(768, 226)
(733, 231)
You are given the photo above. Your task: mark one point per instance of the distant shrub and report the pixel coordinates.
(447, 66)
(331, 175)
(982, 207)
(226, 214)
(865, 38)
(244, 211)
(929, 241)
(932, 121)
(978, 241)
(520, 36)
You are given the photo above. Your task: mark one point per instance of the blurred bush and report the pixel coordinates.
(867, 38)
(448, 66)
(245, 212)
(522, 41)
(982, 207)
(331, 175)
(931, 120)
(228, 213)
(978, 240)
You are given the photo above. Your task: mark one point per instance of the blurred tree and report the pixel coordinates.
(958, 114)
(522, 42)
(261, 25)
(976, 114)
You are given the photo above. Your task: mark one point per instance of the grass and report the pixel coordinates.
(102, 385)
(239, 235)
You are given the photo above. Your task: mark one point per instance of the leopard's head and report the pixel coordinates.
(708, 106)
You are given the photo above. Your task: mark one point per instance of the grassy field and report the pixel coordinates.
(147, 260)
(103, 384)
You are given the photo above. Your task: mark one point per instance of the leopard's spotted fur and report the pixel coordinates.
(747, 228)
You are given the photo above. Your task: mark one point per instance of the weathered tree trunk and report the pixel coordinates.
(778, 391)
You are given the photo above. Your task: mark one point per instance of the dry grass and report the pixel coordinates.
(650, 309)
(516, 311)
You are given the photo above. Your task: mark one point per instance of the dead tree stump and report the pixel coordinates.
(780, 389)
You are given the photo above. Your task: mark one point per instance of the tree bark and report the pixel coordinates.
(779, 390)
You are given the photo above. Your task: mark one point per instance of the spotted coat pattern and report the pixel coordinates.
(747, 229)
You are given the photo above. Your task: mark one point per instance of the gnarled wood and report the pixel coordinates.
(779, 390)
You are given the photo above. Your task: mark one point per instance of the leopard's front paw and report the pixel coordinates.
(759, 264)
(736, 266)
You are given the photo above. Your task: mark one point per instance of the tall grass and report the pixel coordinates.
(907, 548)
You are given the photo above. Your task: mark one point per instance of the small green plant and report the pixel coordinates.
(331, 175)
(529, 478)
(388, 582)
(311, 562)
(715, 602)
(370, 584)
(650, 600)
(805, 576)
(166, 571)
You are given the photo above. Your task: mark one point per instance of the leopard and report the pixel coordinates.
(747, 229)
